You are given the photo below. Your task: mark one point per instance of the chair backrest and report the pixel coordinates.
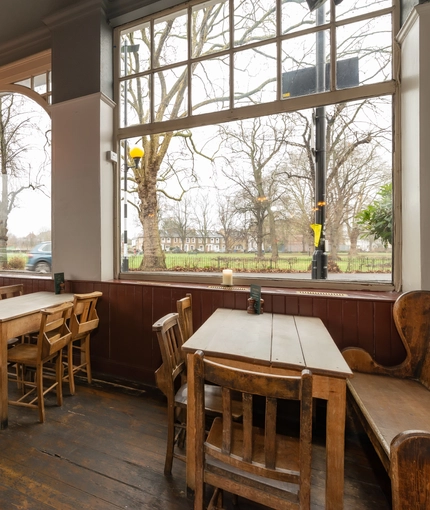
(8, 291)
(84, 318)
(184, 308)
(411, 314)
(240, 445)
(169, 338)
(54, 334)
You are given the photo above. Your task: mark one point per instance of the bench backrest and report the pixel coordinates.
(411, 313)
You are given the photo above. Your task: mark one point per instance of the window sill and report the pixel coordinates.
(380, 283)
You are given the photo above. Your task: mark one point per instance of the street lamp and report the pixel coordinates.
(127, 49)
(319, 259)
(136, 153)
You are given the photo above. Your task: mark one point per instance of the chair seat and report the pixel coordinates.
(23, 353)
(213, 400)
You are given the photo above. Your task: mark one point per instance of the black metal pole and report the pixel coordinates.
(319, 259)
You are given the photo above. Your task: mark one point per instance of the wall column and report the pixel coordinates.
(415, 128)
(82, 134)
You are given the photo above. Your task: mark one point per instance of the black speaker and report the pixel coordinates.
(314, 4)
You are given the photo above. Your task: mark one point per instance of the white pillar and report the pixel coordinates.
(415, 129)
(83, 188)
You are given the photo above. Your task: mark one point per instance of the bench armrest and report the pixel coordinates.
(360, 360)
(410, 470)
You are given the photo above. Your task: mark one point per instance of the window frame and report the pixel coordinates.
(280, 105)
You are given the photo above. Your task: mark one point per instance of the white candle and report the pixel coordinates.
(227, 277)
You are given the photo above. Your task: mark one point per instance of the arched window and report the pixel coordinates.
(25, 160)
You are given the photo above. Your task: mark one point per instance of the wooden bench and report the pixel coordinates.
(393, 403)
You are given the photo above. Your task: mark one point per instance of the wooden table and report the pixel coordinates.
(18, 316)
(281, 344)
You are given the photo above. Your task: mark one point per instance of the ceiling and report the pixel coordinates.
(22, 16)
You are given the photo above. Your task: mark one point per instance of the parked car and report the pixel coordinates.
(39, 259)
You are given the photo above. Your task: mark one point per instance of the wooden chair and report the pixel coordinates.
(9, 291)
(184, 308)
(171, 379)
(259, 464)
(54, 335)
(83, 321)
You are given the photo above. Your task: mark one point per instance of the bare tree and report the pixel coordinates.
(18, 124)
(256, 148)
(209, 32)
(178, 223)
(227, 220)
(204, 219)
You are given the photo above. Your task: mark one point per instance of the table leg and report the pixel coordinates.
(335, 444)
(191, 484)
(3, 380)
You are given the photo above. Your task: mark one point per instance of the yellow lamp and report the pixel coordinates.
(137, 154)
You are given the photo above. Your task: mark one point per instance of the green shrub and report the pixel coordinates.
(16, 262)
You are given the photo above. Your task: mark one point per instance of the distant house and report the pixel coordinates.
(213, 242)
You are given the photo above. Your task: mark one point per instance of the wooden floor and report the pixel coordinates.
(104, 449)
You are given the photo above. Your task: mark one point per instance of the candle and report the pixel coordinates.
(227, 277)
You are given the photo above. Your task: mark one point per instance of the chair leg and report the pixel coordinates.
(170, 438)
(87, 358)
(40, 397)
(216, 501)
(70, 372)
(59, 377)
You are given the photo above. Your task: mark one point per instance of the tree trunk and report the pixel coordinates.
(3, 221)
(273, 239)
(353, 238)
(153, 255)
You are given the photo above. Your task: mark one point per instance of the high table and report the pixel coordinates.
(18, 316)
(285, 345)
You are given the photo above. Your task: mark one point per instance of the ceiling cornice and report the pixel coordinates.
(74, 12)
(27, 44)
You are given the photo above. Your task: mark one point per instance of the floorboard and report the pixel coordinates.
(105, 448)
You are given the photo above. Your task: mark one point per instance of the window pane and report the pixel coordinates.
(25, 83)
(135, 103)
(210, 85)
(170, 40)
(370, 41)
(170, 94)
(353, 8)
(39, 84)
(255, 75)
(210, 23)
(254, 21)
(304, 64)
(297, 16)
(25, 218)
(249, 189)
(135, 50)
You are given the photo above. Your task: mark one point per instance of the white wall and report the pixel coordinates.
(415, 133)
(82, 188)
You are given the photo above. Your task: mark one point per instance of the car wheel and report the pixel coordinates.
(42, 267)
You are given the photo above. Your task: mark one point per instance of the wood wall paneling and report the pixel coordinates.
(124, 346)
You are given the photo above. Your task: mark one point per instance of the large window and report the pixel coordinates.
(255, 134)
